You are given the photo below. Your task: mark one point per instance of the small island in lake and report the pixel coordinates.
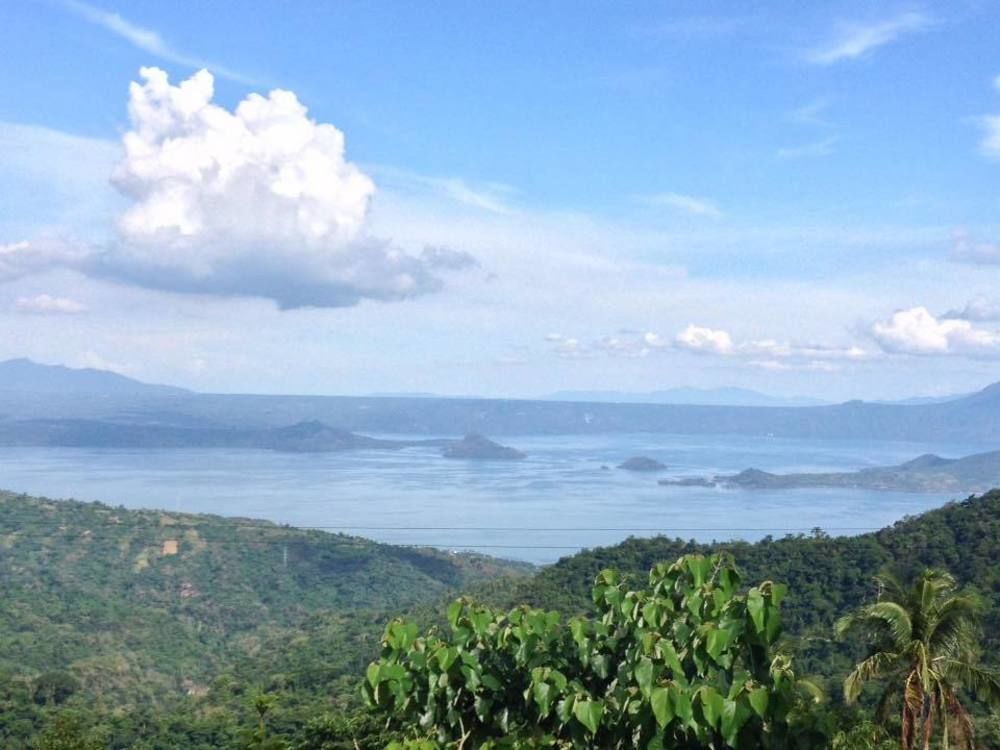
(928, 473)
(642, 463)
(479, 447)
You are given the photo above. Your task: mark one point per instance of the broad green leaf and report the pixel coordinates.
(645, 673)
(601, 665)
(589, 714)
(673, 661)
(446, 657)
(681, 701)
(778, 593)
(717, 641)
(564, 708)
(734, 716)
(711, 705)
(663, 709)
(454, 611)
(693, 602)
(758, 700)
(542, 693)
(558, 679)
(755, 607)
(700, 568)
(651, 614)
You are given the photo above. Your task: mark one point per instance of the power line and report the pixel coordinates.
(275, 526)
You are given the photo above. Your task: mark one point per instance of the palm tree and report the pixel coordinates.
(924, 641)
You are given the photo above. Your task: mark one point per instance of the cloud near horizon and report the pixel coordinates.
(917, 331)
(259, 201)
(702, 340)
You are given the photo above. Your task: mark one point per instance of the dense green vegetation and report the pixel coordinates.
(687, 662)
(925, 645)
(167, 623)
(250, 634)
(827, 576)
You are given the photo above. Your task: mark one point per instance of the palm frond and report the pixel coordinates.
(872, 668)
(985, 683)
(954, 620)
(878, 620)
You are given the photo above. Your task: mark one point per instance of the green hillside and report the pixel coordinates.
(157, 630)
(147, 610)
(826, 576)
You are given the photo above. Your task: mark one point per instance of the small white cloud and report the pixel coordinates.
(489, 198)
(812, 150)
(625, 343)
(854, 40)
(93, 360)
(996, 83)
(44, 304)
(917, 331)
(685, 203)
(704, 340)
(990, 144)
(788, 355)
(811, 113)
(782, 366)
(20, 259)
(571, 348)
(148, 40)
(492, 197)
(654, 340)
(966, 250)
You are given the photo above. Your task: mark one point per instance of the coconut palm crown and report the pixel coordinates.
(925, 643)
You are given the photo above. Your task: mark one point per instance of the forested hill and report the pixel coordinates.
(142, 607)
(826, 576)
(163, 626)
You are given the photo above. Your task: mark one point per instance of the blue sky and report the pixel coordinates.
(534, 197)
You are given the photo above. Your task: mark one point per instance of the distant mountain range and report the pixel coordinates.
(697, 396)
(32, 377)
(33, 392)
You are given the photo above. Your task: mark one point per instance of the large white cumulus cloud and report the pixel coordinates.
(257, 201)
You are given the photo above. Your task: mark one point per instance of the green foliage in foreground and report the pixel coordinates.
(105, 639)
(687, 662)
(925, 643)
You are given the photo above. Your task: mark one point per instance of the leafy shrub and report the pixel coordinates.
(687, 662)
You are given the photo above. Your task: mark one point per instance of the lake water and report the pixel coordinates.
(552, 504)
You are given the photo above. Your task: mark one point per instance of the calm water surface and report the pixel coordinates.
(553, 503)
